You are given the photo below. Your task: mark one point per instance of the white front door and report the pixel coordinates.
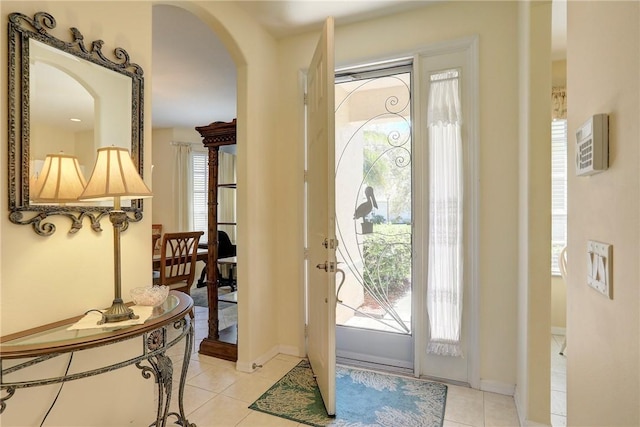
(321, 294)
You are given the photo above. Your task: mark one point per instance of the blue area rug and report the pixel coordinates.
(363, 398)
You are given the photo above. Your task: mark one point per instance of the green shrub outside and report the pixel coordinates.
(387, 258)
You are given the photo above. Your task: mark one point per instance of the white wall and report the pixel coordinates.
(164, 204)
(603, 335)
(45, 279)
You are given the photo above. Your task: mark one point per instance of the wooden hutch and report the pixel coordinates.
(216, 344)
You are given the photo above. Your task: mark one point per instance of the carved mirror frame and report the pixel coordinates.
(22, 29)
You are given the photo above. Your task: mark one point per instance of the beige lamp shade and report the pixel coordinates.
(115, 177)
(60, 180)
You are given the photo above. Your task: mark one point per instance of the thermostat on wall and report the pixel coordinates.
(592, 150)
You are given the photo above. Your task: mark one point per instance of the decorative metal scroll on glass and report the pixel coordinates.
(70, 98)
(373, 202)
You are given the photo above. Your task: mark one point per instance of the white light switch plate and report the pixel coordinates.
(599, 267)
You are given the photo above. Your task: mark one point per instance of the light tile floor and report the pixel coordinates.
(558, 383)
(217, 394)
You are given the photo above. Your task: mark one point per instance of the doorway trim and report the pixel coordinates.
(470, 47)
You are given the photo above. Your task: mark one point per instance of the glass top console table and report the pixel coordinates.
(168, 325)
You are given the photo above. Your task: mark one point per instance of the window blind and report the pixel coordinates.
(558, 191)
(200, 194)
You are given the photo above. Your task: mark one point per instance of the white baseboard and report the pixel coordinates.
(273, 352)
(557, 330)
(382, 361)
(497, 387)
(516, 399)
(253, 365)
(291, 350)
(521, 415)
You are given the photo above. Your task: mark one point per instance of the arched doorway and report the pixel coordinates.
(194, 84)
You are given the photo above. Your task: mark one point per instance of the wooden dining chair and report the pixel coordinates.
(156, 234)
(178, 260)
(155, 242)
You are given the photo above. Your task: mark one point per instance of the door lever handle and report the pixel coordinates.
(329, 267)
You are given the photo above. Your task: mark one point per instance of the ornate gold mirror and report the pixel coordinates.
(70, 98)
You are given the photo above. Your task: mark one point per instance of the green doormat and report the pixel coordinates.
(363, 398)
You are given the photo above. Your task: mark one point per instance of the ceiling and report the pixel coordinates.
(194, 77)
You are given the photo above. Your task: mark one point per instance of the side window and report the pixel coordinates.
(199, 220)
(558, 191)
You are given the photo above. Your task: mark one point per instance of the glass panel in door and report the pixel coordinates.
(373, 217)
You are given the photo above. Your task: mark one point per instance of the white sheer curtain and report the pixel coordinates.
(182, 177)
(444, 286)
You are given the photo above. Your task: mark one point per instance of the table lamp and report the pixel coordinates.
(60, 181)
(116, 178)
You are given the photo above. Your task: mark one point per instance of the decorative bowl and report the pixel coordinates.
(150, 295)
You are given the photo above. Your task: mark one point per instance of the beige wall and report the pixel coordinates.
(495, 23)
(534, 282)
(67, 264)
(603, 335)
(559, 73)
(45, 279)
(164, 209)
(82, 253)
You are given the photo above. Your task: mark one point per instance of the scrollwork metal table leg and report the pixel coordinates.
(161, 368)
(10, 391)
(182, 419)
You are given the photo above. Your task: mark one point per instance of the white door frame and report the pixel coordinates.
(469, 45)
(470, 93)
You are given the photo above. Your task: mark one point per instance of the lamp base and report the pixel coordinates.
(117, 313)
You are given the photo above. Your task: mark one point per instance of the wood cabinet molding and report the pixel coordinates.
(214, 136)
